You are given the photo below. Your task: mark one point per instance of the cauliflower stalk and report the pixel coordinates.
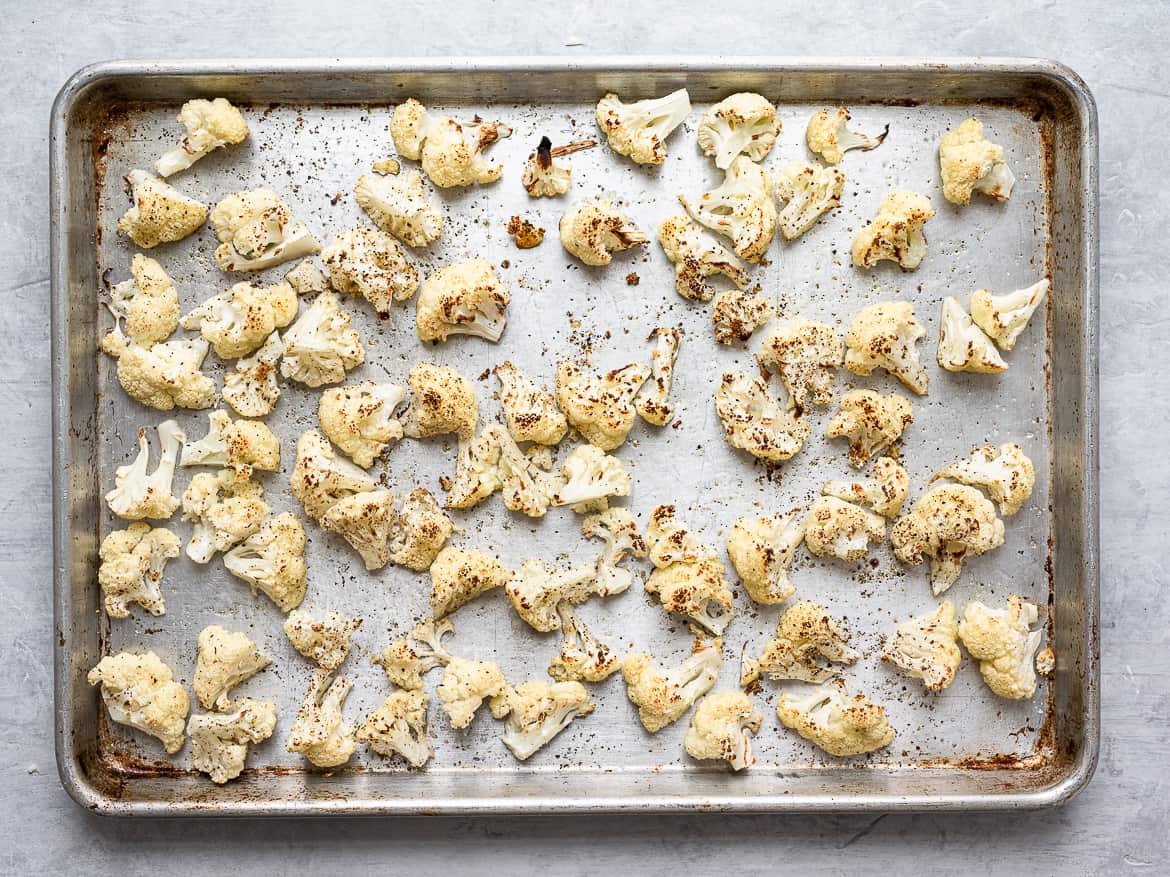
(543, 177)
(252, 389)
(884, 490)
(594, 230)
(741, 209)
(663, 696)
(742, 124)
(371, 264)
(688, 578)
(962, 346)
(720, 727)
(1006, 473)
(399, 727)
(320, 347)
(360, 419)
(836, 722)
(530, 411)
(272, 561)
(451, 152)
(601, 408)
(753, 420)
(639, 130)
(805, 635)
(829, 137)
(1004, 317)
(810, 191)
(761, 550)
(459, 575)
(925, 647)
(256, 230)
(226, 508)
(167, 375)
(146, 306)
(806, 355)
(871, 421)
(160, 213)
(211, 125)
(321, 478)
(139, 494)
(324, 639)
(651, 402)
(697, 256)
(895, 235)
(1004, 644)
(737, 313)
(320, 733)
(841, 529)
(969, 163)
(219, 741)
(132, 564)
(462, 299)
(223, 660)
(399, 206)
(367, 521)
(140, 691)
(537, 711)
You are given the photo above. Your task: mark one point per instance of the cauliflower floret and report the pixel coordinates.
(306, 278)
(451, 152)
(805, 634)
(226, 507)
(884, 491)
(740, 209)
(160, 213)
(360, 419)
(618, 529)
(696, 256)
(422, 530)
(443, 401)
(140, 691)
(399, 206)
(272, 560)
(243, 445)
(1004, 645)
(524, 486)
(478, 473)
(594, 230)
(321, 478)
(224, 660)
(744, 123)
(538, 711)
(811, 190)
(462, 299)
(600, 408)
(583, 657)
(754, 421)
(219, 741)
(885, 335)
(530, 410)
(399, 727)
(148, 303)
(949, 522)
(806, 355)
(1006, 473)
(737, 313)
(459, 575)
(138, 494)
(211, 125)
(696, 590)
(639, 129)
(167, 375)
(591, 477)
(238, 321)
(925, 648)
(542, 178)
(971, 163)
(761, 550)
(841, 529)
(367, 521)
(671, 541)
(319, 732)
(132, 565)
(830, 138)
(1003, 317)
(962, 346)
(252, 389)
(256, 231)
(651, 402)
(662, 696)
(536, 589)
(467, 684)
(371, 264)
(719, 729)
(837, 723)
(871, 421)
(896, 232)
(405, 664)
(320, 347)
(325, 640)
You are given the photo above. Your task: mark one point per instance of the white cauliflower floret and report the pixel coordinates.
(949, 522)
(737, 313)
(740, 209)
(688, 577)
(223, 660)
(360, 419)
(219, 741)
(138, 494)
(371, 264)
(719, 729)
(671, 541)
(837, 723)
(971, 163)
(594, 230)
(810, 190)
(583, 657)
(478, 473)
(754, 421)
(140, 691)
(524, 486)
(896, 232)
(806, 355)
(805, 634)
(226, 508)
(962, 346)
(422, 530)
(462, 299)
(742, 124)
(399, 727)
(451, 152)
(272, 560)
(1004, 317)
(639, 129)
(325, 639)
(761, 550)
(830, 138)
(537, 711)
(536, 589)
(320, 733)
(167, 375)
(405, 664)
(651, 402)
(398, 205)
(1006, 473)
(306, 278)
(256, 231)
(884, 491)
(459, 575)
(132, 564)
(601, 408)
(160, 213)
(1002, 641)
(147, 305)
(696, 256)
(925, 648)
(542, 177)
(465, 685)
(320, 347)
(243, 445)
(530, 411)
(321, 478)
(591, 477)
(443, 401)
(841, 529)
(663, 696)
(871, 421)
(885, 335)
(252, 389)
(367, 521)
(211, 125)
(618, 529)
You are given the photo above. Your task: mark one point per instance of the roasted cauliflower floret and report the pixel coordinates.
(871, 421)
(371, 264)
(462, 299)
(399, 206)
(226, 507)
(601, 408)
(360, 419)
(211, 125)
(321, 478)
(239, 321)
(459, 575)
(160, 213)
(737, 313)
(422, 531)
(538, 711)
(895, 234)
(1004, 644)
(536, 589)
(696, 256)
(478, 473)
(949, 522)
(594, 230)
(885, 335)
(962, 346)
(530, 411)
(971, 163)
(651, 402)
(671, 541)
(810, 191)
(806, 355)
(465, 686)
(805, 635)
(320, 733)
(719, 729)
(320, 347)
(132, 564)
(741, 124)
(925, 648)
(306, 278)
(740, 209)
(257, 231)
(542, 177)
(583, 657)
(405, 664)
(367, 521)
(1006, 473)
(591, 477)
(443, 401)
(451, 152)
(252, 389)
(753, 420)
(223, 660)
(884, 491)
(167, 375)
(837, 723)
(697, 591)
(324, 640)
(618, 529)
(1004, 317)
(639, 129)
(663, 696)
(272, 560)
(841, 529)
(140, 691)
(138, 494)
(761, 550)
(219, 741)
(830, 138)
(146, 306)
(243, 445)
(399, 727)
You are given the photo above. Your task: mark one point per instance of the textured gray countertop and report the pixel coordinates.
(1117, 825)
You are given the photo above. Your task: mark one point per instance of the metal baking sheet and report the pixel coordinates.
(315, 127)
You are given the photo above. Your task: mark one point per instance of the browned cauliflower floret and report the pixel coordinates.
(871, 421)
(443, 401)
(223, 660)
(696, 256)
(219, 741)
(1006, 473)
(970, 163)
(451, 152)
(252, 389)
(422, 530)
(146, 306)
(160, 213)
(465, 686)
(272, 560)
(884, 491)
(740, 209)
(226, 507)
(761, 550)
(367, 521)
(618, 529)
(325, 639)
(320, 347)
(321, 478)
(1004, 644)
(744, 123)
(925, 648)
(399, 206)
(1004, 317)
(639, 129)
(828, 136)
(737, 313)
(839, 724)
(530, 411)
(242, 445)
(140, 691)
(591, 476)
(399, 727)
(841, 529)
(962, 346)
(601, 408)
(583, 657)
(594, 230)
(806, 634)
(542, 177)
(306, 278)
(371, 264)
(537, 589)
(754, 421)
(537, 711)
(806, 355)
(810, 190)
(459, 575)
(167, 375)
(210, 124)
(896, 232)
(320, 733)
(132, 564)
(651, 402)
(663, 696)
(688, 577)
(885, 335)
(257, 231)
(360, 419)
(719, 729)
(238, 321)
(405, 664)
(462, 299)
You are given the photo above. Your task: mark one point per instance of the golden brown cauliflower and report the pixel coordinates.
(530, 411)
(688, 577)
(971, 163)
(369, 263)
(895, 234)
(399, 727)
(925, 647)
(885, 335)
(423, 528)
(226, 507)
(242, 445)
(1004, 317)
(841, 529)
(1004, 644)
(167, 375)
(210, 124)
(132, 564)
(719, 729)
(828, 136)
(146, 306)
(321, 478)
(741, 209)
(754, 421)
(761, 550)
(239, 321)
(223, 660)
(696, 256)
(743, 123)
(399, 206)
(601, 408)
(360, 419)
(544, 178)
(466, 298)
(663, 696)
(320, 347)
(737, 313)
(651, 402)
(320, 733)
(219, 741)
(1006, 473)
(639, 129)
(884, 491)
(871, 421)
(273, 561)
(837, 723)
(140, 691)
(443, 401)
(459, 575)
(451, 151)
(806, 355)
(962, 346)
(367, 521)
(325, 639)
(594, 230)
(805, 634)
(537, 711)
(160, 213)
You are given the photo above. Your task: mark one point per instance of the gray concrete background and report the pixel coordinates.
(1118, 825)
